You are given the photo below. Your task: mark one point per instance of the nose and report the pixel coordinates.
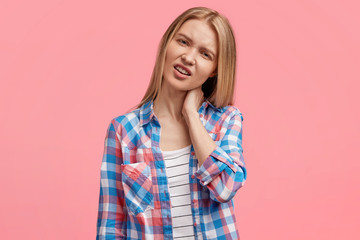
(189, 57)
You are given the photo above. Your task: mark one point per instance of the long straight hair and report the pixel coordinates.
(219, 90)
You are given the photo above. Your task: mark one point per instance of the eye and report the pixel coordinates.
(182, 42)
(206, 55)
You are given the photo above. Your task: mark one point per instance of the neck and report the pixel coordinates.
(169, 103)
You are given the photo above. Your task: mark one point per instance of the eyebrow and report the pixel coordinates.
(189, 39)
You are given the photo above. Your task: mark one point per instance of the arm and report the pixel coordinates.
(222, 167)
(111, 222)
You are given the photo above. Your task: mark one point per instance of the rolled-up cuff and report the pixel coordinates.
(213, 165)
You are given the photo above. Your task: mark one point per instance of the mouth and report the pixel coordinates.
(183, 70)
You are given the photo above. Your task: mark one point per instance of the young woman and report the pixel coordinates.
(172, 166)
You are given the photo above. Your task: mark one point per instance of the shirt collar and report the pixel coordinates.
(147, 110)
(208, 103)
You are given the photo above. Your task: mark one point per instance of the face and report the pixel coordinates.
(191, 56)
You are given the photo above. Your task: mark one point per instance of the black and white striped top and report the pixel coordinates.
(177, 171)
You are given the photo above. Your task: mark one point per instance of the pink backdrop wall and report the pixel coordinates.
(68, 67)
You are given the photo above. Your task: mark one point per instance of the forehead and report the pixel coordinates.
(200, 33)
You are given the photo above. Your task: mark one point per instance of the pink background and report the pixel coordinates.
(68, 67)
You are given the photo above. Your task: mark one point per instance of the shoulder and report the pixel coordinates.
(126, 121)
(229, 112)
(221, 113)
(217, 118)
(234, 111)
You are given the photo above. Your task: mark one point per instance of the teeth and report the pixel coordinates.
(183, 71)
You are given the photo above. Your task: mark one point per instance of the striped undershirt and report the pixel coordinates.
(177, 171)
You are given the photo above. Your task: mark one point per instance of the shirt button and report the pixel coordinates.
(192, 176)
(193, 153)
(194, 201)
(195, 224)
(201, 115)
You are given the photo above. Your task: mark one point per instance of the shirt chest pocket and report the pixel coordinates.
(137, 184)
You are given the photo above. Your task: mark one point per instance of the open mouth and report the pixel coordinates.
(182, 70)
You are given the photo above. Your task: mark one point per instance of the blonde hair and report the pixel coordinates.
(219, 90)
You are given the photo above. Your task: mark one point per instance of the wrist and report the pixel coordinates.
(191, 114)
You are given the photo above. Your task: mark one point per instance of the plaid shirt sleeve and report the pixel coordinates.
(111, 222)
(224, 172)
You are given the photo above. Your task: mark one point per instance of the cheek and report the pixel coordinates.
(171, 52)
(207, 69)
